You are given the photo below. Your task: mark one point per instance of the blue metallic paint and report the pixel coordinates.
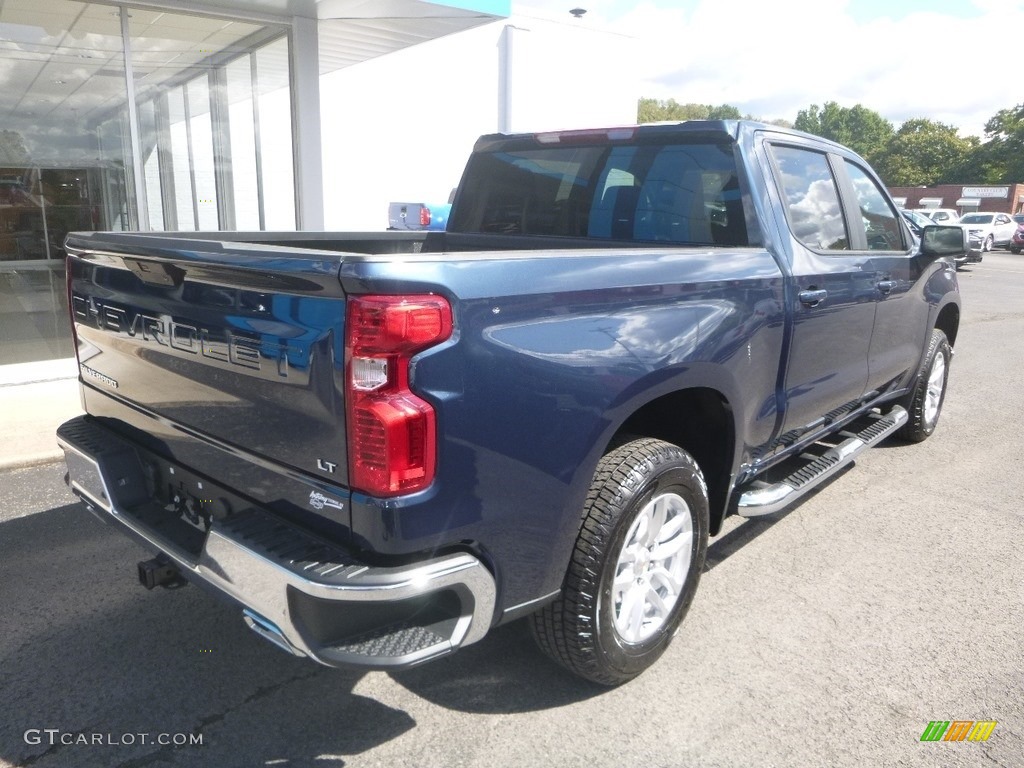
(553, 351)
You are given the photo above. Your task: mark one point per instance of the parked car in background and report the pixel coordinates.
(991, 228)
(940, 215)
(419, 216)
(1017, 241)
(917, 221)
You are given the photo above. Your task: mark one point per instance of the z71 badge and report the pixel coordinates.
(318, 501)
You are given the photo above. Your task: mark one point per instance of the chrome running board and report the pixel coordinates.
(763, 498)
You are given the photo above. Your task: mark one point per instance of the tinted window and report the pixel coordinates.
(977, 218)
(880, 223)
(681, 193)
(812, 199)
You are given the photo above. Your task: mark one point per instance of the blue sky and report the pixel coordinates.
(901, 58)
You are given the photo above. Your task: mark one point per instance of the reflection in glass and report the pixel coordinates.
(812, 199)
(61, 109)
(880, 222)
(241, 118)
(66, 159)
(200, 129)
(275, 126)
(178, 157)
(148, 140)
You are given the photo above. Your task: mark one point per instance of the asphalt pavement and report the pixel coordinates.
(832, 634)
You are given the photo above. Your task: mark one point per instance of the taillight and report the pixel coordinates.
(424, 216)
(392, 433)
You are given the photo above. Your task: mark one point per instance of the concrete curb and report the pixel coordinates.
(32, 460)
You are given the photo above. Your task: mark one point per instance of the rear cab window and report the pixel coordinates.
(680, 193)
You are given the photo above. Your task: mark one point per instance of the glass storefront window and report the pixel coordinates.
(275, 135)
(62, 66)
(200, 131)
(212, 128)
(245, 174)
(177, 153)
(149, 143)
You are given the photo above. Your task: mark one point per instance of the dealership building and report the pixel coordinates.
(991, 198)
(258, 115)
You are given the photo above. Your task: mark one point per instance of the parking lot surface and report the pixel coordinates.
(831, 634)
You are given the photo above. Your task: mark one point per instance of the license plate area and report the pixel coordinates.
(168, 505)
(181, 506)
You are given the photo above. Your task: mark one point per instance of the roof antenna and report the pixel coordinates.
(578, 12)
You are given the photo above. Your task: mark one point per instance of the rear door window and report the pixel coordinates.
(811, 198)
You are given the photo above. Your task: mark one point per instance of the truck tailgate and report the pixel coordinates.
(239, 343)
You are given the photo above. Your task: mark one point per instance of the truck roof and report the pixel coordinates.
(659, 131)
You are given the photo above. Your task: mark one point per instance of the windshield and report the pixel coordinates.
(918, 218)
(977, 218)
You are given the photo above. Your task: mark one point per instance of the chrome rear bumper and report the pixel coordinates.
(304, 594)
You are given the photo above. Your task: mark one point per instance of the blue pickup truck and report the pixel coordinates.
(380, 446)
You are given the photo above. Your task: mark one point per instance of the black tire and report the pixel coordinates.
(579, 629)
(925, 399)
(988, 244)
(1014, 249)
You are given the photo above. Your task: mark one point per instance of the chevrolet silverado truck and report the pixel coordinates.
(381, 446)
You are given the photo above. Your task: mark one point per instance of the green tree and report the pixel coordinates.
(12, 149)
(1000, 159)
(861, 129)
(924, 152)
(657, 110)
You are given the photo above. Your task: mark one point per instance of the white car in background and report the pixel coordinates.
(991, 228)
(940, 215)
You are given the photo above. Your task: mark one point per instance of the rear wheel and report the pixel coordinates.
(635, 567)
(924, 402)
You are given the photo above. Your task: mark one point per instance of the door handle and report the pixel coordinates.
(812, 298)
(887, 286)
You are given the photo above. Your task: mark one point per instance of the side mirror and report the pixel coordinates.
(938, 240)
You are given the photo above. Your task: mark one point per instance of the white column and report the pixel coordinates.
(309, 172)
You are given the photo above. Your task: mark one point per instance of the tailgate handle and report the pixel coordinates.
(156, 273)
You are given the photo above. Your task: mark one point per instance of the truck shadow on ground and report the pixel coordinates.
(726, 544)
(87, 651)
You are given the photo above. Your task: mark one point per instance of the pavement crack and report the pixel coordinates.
(197, 731)
(1000, 763)
(51, 750)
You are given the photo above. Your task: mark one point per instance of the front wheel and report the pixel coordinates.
(988, 244)
(635, 567)
(924, 401)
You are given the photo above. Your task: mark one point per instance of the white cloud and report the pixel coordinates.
(773, 59)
